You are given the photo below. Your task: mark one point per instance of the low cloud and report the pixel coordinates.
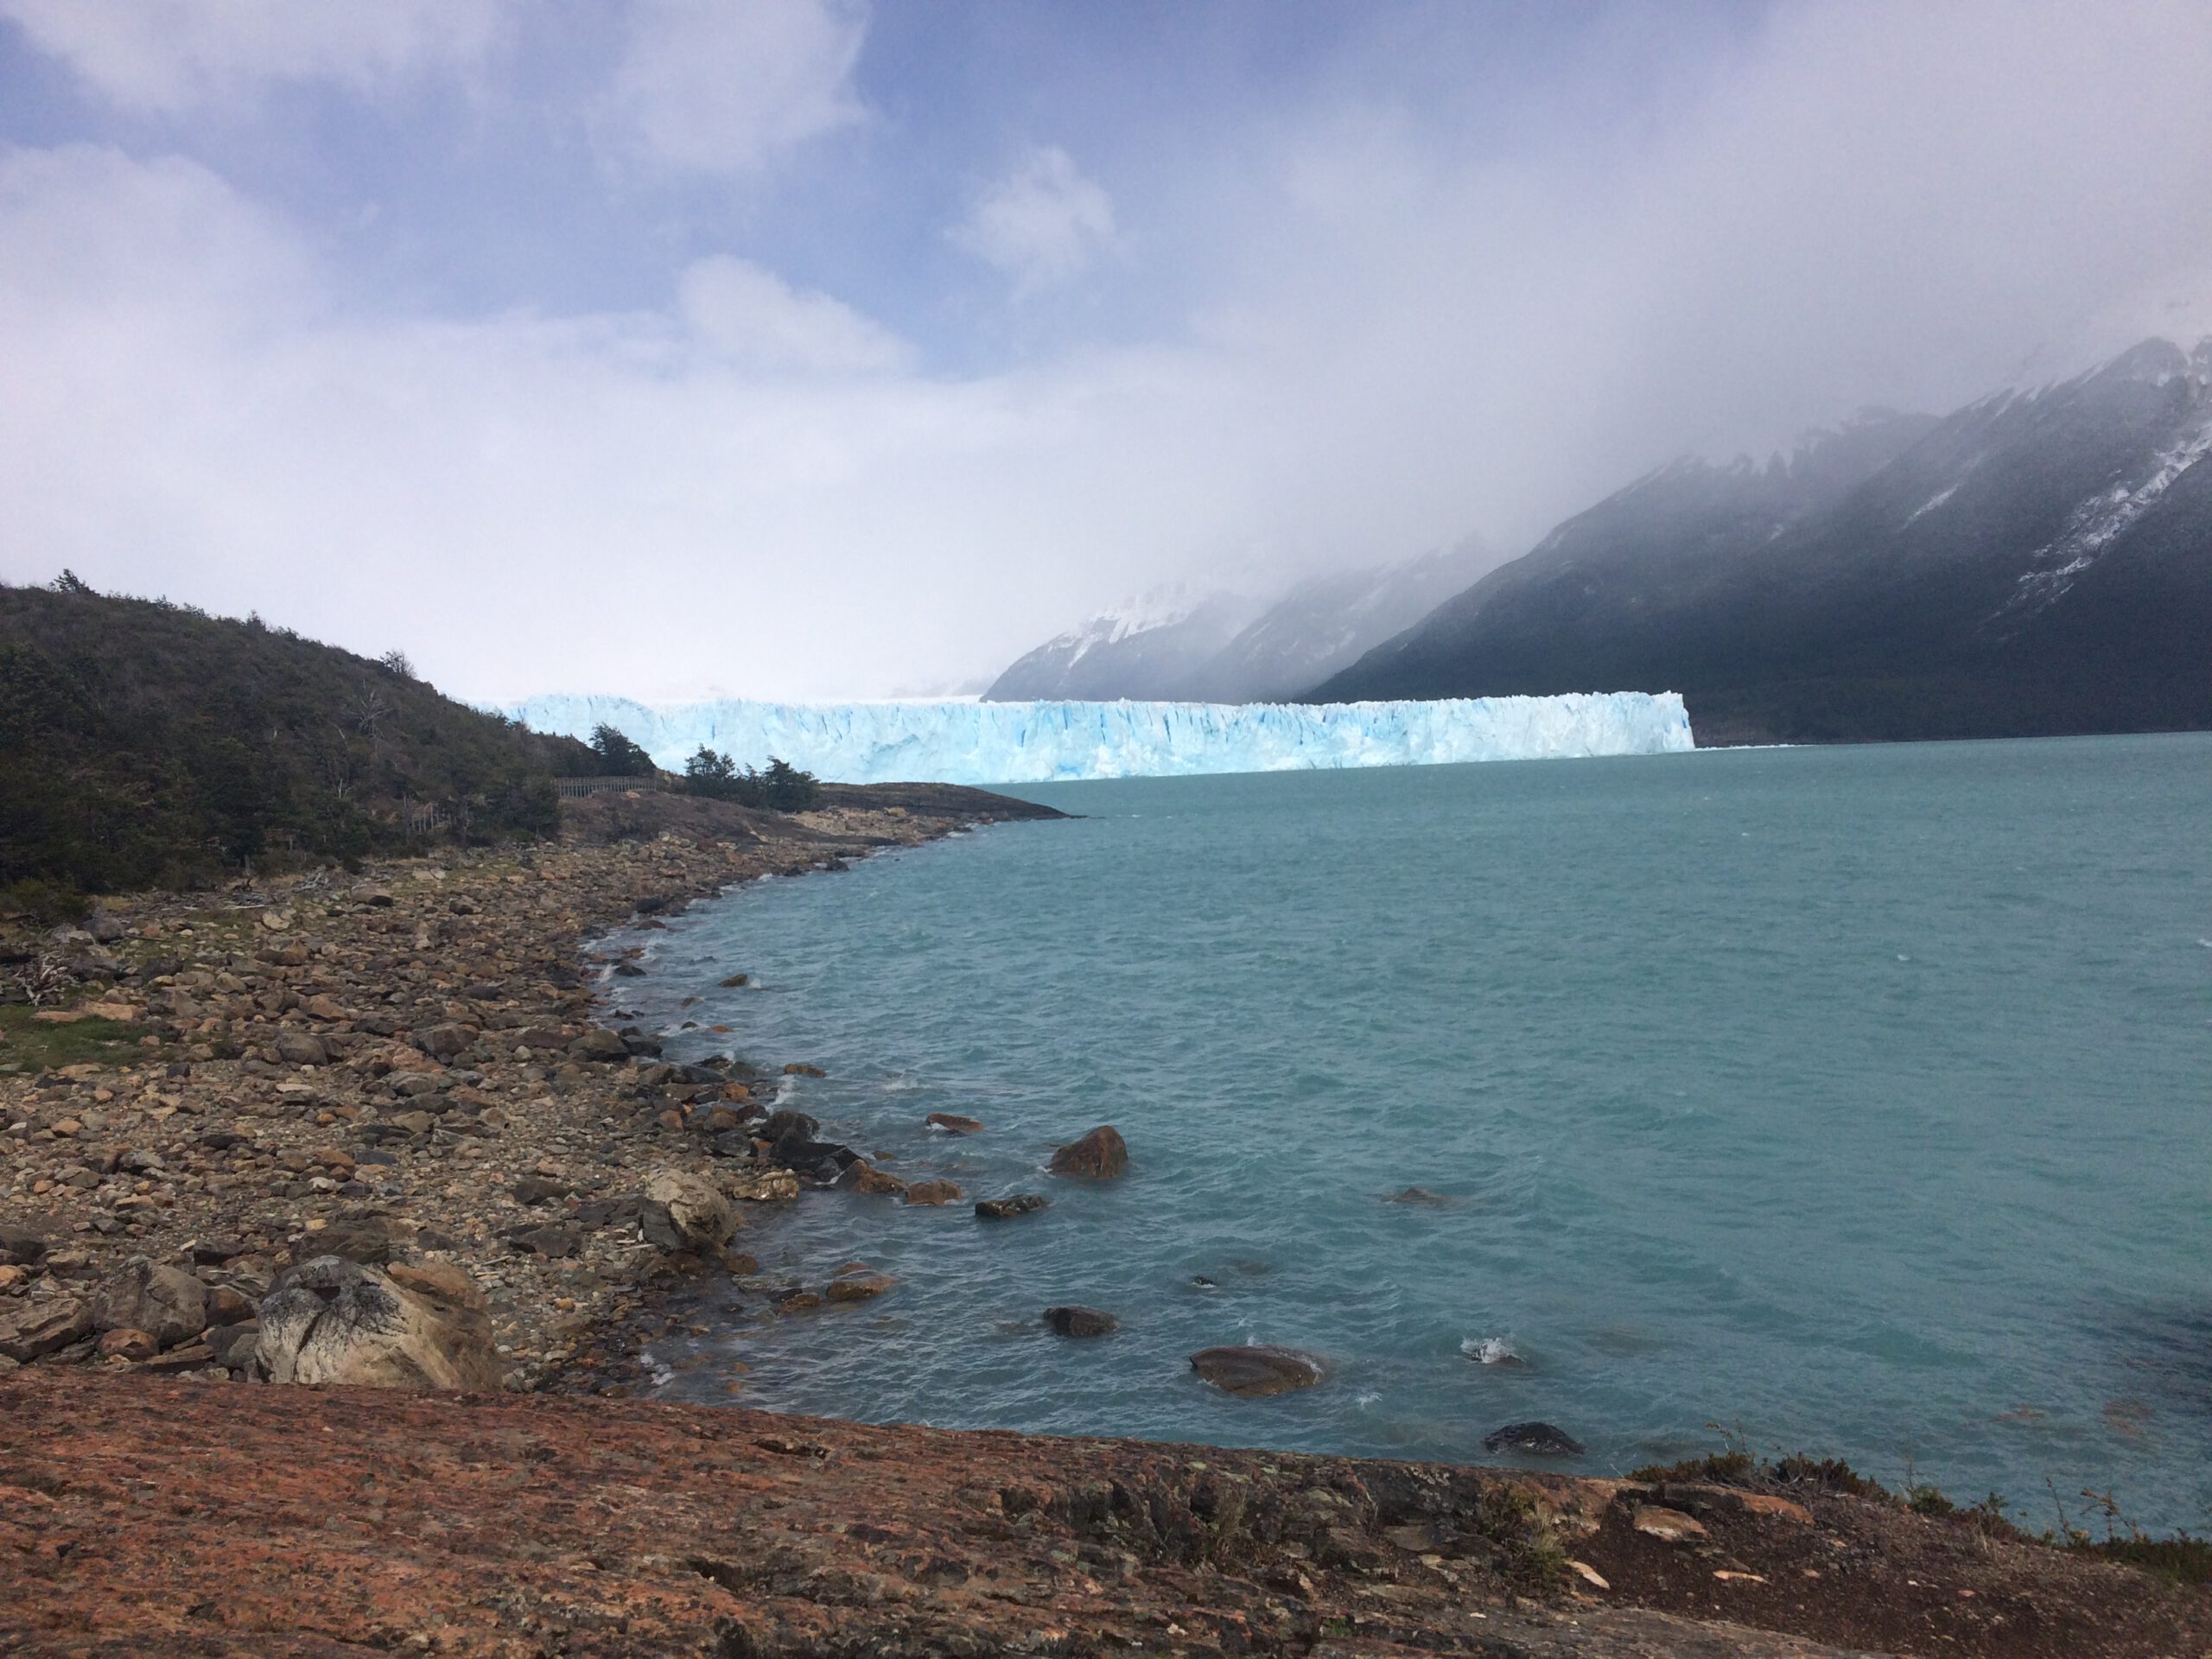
(1042, 224)
(713, 87)
(752, 316)
(168, 57)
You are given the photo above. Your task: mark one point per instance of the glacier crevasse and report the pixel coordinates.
(963, 742)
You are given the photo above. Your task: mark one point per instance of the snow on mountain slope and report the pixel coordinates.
(1181, 643)
(1031, 742)
(1151, 647)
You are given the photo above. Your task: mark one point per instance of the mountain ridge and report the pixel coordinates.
(2038, 562)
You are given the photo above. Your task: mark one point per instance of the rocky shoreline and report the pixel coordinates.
(373, 1129)
(406, 1069)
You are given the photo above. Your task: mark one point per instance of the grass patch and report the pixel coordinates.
(32, 1048)
(1729, 1468)
(2184, 1559)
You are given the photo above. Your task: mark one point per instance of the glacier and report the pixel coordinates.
(973, 743)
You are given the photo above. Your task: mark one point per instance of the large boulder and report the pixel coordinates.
(167, 1303)
(302, 1048)
(1252, 1370)
(32, 1332)
(334, 1321)
(1099, 1156)
(678, 1210)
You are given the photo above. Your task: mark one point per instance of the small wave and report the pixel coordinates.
(1366, 1397)
(1492, 1351)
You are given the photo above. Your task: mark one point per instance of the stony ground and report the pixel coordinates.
(135, 1517)
(401, 1065)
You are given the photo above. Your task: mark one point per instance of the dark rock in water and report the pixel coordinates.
(1081, 1321)
(1540, 1439)
(1199, 1281)
(1022, 1204)
(862, 1176)
(736, 981)
(1251, 1372)
(1099, 1156)
(1421, 1195)
(629, 970)
(785, 1122)
(953, 1123)
(822, 1160)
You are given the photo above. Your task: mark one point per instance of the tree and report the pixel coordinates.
(787, 788)
(711, 774)
(395, 664)
(70, 582)
(618, 756)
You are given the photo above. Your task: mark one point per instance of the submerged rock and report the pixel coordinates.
(334, 1321)
(856, 1283)
(1252, 1372)
(1540, 1439)
(931, 1193)
(1099, 1156)
(953, 1123)
(1421, 1196)
(1022, 1204)
(1075, 1321)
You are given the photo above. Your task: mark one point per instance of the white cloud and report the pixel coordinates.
(169, 56)
(727, 86)
(753, 317)
(1043, 224)
(1405, 335)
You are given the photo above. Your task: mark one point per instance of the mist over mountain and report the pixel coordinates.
(2039, 561)
(1185, 645)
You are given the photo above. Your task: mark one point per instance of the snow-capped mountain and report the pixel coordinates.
(2038, 562)
(1150, 649)
(1180, 643)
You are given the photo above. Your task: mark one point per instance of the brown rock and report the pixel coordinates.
(122, 1342)
(1022, 1204)
(763, 1186)
(227, 1307)
(953, 1123)
(447, 1042)
(932, 1192)
(152, 1296)
(334, 1321)
(31, 1334)
(861, 1286)
(1253, 1371)
(1099, 1156)
(302, 1048)
(1670, 1524)
(862, 1176)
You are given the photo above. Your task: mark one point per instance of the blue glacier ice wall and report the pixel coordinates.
(961, 742)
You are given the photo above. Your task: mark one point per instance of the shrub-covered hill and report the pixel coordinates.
(143, 743)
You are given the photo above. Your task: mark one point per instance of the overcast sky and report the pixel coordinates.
(807, 348)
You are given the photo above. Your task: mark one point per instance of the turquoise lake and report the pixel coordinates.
(1858, 1101)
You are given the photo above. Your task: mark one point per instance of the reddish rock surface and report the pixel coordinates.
(151, 1516)
(1099, 1156)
